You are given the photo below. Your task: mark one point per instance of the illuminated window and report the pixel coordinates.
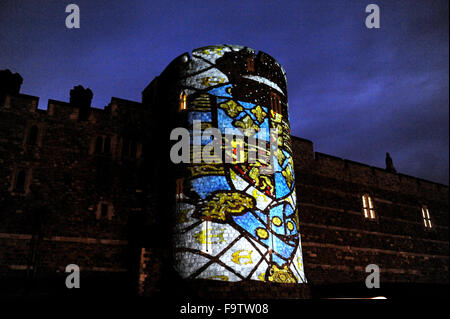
(369, 211)
(183, 103)
(275, 102)
(426, 217)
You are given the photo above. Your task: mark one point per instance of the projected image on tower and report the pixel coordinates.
(237, 220)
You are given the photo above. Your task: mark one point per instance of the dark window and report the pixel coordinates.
(20, 182)
(107, 145)
(133, 149)
(129, 148)
(99, 144)
(32, 135)
(104, 211)
(125, 147)
(275, 103)
(141, 176)
(68, 179)
(104, 172)
(179, 190)
(251, 64)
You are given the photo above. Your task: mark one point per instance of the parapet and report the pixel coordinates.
(78, 107)
(371, 176)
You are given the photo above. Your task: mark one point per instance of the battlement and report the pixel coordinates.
(66, 110)
(363, 174)
(305, 156)
(72, 110)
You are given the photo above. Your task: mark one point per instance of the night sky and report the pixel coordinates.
(357, 93)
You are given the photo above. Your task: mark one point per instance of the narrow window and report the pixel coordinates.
(98, 144)
(368, 209)
(183, 103)
(426, 217)
(275, 102)
(107, 145)
(179, 191)
(104, 211)
(126, 147)
(103, 172)
(133, 149)
(251, 64)
(20, 182)
(129, 148)
(32, 135)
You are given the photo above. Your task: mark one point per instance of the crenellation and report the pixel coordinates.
(21, 102)
(303, 152)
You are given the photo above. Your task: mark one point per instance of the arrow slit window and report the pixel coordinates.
(20, 182)
(426, 217)
(251, 64)
(368, 209)
(275, 102)
(33, 135)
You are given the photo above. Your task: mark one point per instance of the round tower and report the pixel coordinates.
(236, 217)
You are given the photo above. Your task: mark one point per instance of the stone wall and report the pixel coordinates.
(338, 242)
(77, 203)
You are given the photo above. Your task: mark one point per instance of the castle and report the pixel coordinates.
(97, 188)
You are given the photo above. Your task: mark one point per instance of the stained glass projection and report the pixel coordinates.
(238, 221)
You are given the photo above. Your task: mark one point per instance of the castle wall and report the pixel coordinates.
(77, 203)
(339, 242)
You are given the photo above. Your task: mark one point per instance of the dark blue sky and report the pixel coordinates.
(356, 93)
